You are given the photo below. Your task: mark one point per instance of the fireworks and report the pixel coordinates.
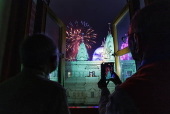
(77, 33)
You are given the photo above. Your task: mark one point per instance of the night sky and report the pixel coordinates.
(97, 13)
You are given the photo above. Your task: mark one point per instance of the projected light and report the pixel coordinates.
(126, 56)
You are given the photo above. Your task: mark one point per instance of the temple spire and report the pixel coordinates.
(108, 47)
(103, 42)
(109, 32)
(82, 54)
(82, 37)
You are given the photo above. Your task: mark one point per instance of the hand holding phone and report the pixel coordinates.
(102, 83)
(115, 78)
(108, 74)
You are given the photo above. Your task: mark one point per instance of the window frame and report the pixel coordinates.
(62, 37)
(118, 52)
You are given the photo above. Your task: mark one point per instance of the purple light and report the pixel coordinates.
(126, 56)
(124, 45)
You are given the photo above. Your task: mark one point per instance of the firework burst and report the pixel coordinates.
(77, 33)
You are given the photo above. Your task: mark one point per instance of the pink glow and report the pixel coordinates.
(126, 56)
(124, 45)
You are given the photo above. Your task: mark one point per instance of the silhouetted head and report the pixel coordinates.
(149, 31)
(39, 51)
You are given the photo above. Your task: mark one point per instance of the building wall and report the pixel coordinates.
(128, 68)
(81, 82)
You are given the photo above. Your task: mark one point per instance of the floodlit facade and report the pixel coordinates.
(82, 75)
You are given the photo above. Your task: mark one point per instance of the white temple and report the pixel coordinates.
(81, 76)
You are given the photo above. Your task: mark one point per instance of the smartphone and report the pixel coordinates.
(107, 70)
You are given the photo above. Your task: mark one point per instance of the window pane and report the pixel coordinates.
(52, 30)
(127, 65)
(122, 28)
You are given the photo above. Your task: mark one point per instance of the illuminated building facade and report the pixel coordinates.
(82, 75)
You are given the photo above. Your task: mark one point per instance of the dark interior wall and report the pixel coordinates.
(17, 19)
(32, 17)
(16, 24)
(5, 6)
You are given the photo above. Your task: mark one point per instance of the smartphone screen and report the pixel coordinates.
(107, 70)
(113, 75)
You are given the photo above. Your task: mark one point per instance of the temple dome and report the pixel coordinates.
(98, 54)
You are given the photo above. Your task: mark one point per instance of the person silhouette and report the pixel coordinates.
(148, 90)
(31, 92)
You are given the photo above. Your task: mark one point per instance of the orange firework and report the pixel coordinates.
(77, 33)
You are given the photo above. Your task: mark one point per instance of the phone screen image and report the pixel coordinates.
(113, 75)
(107, 70)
